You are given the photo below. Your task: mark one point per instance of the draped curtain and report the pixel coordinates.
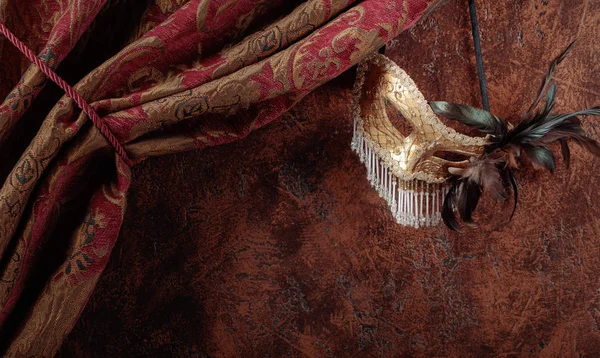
(191, 74)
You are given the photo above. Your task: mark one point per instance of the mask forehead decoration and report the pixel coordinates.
(430, 172)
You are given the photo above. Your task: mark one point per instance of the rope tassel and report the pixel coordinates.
(70, 91)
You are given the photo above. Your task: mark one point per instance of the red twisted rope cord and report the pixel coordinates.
(81, 102)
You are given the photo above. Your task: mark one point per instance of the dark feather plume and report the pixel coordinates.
(448, 208)
(530, 138)
(467, 200)
(566, 152)
(515, 189)
(466, 190)
(548, 78)
(541, 157)
(486, 173)
(471, 116)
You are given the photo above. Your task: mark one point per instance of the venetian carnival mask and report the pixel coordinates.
(427, 171)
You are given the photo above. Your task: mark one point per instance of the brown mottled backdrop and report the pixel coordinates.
(276, 245)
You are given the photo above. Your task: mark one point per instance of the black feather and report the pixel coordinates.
(591, 145)
(594, 111)
(550, 95)
(460, 199)
(467, 203)
(566, 152)
(515, 189)
(545, 129)
(541, 156)
(471, 116)
(448, 209)
(548, 78)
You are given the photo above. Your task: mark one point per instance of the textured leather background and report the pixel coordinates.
(276, 245)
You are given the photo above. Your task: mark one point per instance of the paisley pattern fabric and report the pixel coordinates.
(193, 74)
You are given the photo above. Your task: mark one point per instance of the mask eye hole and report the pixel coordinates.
(451, 156)
(398, 121)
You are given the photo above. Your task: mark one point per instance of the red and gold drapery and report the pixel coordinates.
(193, 74)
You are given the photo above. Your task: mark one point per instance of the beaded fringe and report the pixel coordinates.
(414, 203)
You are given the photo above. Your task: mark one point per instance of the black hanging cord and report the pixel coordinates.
(478, 56)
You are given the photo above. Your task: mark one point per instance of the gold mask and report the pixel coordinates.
(431, 172)
(408, 170)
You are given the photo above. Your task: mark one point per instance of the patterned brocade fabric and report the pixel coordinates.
(191, 74)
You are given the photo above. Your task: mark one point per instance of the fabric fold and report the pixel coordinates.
(195, 74)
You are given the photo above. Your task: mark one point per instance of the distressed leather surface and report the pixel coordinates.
(276, 245)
